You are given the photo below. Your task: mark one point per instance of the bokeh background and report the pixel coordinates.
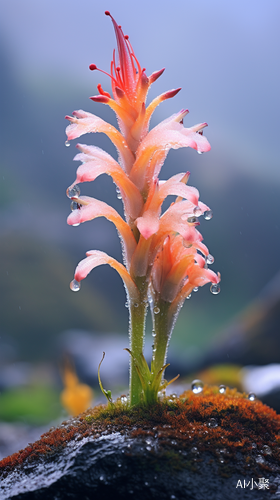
(225, 56)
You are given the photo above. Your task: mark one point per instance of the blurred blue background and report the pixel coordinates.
(225, 56)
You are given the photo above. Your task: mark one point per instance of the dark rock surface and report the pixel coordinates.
(119, 467)
(206, 446)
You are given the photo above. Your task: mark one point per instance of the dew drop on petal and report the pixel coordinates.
(74, 205)
(199, 152)
(215, 288)
(189, 296)
(210, 259)
(156, 310)
(195, 289)
(191, 220)
(197, 211)
(208, 214)
(75, 285)
(252, 396)
(67, 144)
(222, 389)
(75, 225)
(197, 386)
(73, 192)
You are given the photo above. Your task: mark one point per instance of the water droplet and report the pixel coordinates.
(156, 310)
(123, 400)
(191, 220)
(119, 196)
(259, 459)
(126, 304)
(195, 289)
(252, 396)
(222, 389)
(135, 304)
(76, 225)
(200, 152)
(195, 450)
(75, 285)
(210, 259)
(212, 423)
(119, 465)
(215, 288)
(74, 205)
(101, 478)
(266, 450)
(221, 460)
(189, 296)
(67, 144)
(208, 214)
(73, 192)
(197, 211)
(153, 333)
(197, 386)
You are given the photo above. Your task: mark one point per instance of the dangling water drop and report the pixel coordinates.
(73, 192)
(67, 144)
(119, 196)
(156, 310)
(199, 152)
(195, 289)
(208, 214)
(75, 285)
(222, 389)
(210, 259)
(197, 386)
(215, 288)
(75, 206)
(189, 296)
(75, 225)
(252, 396)
(153, 333)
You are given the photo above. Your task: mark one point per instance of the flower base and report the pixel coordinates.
(198, 446)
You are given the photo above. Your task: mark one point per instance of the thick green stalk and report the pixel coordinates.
(137, 332)
(162, 332)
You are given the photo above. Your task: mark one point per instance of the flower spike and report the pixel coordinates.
(164, 255)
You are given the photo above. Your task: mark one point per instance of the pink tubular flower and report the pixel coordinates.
(164, 257)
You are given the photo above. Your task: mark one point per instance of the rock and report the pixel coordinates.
(206, 446)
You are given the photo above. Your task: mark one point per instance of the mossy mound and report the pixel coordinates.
(178, 443)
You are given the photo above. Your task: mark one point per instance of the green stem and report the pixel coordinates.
(137, 330)
(161, 324)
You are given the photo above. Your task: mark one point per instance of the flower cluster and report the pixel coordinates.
(164, 257)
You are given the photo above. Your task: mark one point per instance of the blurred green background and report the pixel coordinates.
(225, 57)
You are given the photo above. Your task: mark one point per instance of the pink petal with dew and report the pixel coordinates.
(97, 258)
(174, 186)
(92, 208)
(83, 122)
(199, 277)
(93, 167)
(163, 139)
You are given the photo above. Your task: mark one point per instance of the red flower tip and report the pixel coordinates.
(172, 93)
(100, 98)
(92, 67)
(107, 13)
(154, 76)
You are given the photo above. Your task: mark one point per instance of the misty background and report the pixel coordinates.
(225, 56)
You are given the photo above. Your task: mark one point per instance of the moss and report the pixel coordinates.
(228, 429)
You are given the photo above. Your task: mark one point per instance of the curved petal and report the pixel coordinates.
(83, 122)
(168, 134)
(90, 208)
(96, 162)
(97, 258)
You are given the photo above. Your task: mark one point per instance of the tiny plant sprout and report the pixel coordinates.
(165, 259)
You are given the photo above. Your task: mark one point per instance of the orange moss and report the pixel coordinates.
(209, 422)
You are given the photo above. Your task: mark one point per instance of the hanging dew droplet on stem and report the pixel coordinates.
(208, 214)
(67, 144)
